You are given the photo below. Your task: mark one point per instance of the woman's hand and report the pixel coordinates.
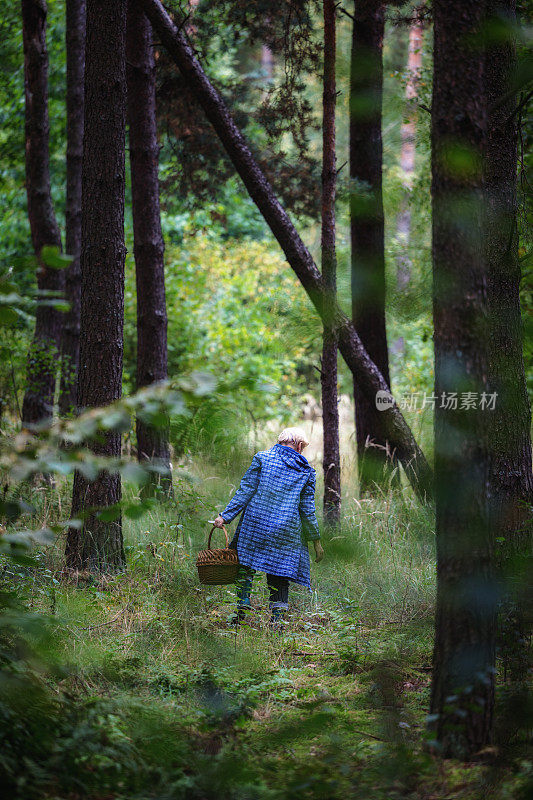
(319, 551)
(219, 522)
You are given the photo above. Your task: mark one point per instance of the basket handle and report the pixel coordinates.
(211, 533)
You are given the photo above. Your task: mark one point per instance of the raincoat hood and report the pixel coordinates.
(292, 458)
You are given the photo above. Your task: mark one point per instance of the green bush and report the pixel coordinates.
(233, 310)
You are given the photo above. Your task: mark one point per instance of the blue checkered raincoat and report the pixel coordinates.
(277, 501)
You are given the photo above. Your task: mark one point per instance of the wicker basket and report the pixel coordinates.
(217, 567)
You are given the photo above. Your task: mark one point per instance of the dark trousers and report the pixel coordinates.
(278, 587)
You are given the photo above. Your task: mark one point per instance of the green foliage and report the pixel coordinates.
(232, 309)
(54, 258)
(134, 686)
(60, 447)
(271, 104)
(14, 227)
(58, 739)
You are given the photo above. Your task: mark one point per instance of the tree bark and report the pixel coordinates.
(367, 230)
(511, 474)
(38, 403)
(152, 443)
(511, 478)
(370, 379)
(464, 654)
(70, 341)
(330, 408)
(98, 545)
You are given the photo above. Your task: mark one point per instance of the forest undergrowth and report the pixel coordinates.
(138, 686)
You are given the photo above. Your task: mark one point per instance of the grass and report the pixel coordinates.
(182, 705)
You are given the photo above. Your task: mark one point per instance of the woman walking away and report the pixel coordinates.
(277, 501)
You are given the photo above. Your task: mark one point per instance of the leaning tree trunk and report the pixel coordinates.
(98, 545)
(367, 229)
(464, 654)
(357, 359)
(152, 443)
(38, 401)
(70, 341)
(330, 407)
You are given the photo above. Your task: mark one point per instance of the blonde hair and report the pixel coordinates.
(293, 436)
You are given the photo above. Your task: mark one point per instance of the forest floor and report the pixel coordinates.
(186, 706)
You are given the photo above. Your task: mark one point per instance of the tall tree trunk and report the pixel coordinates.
(367, 229)
(98, 545)
(38, 401)
(510, 476)
(464, 655)
(330, 408)
(152, 443)
(407, 154)
(370, 379)
(70, 341)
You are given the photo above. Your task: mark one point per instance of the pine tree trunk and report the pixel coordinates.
(511, 475)
(152, 443)
(38, 401)
(407, 155)
(98, 545)
(395, 429)
(464, 655)
(330, 407)
(70, 341)
(367, 229)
